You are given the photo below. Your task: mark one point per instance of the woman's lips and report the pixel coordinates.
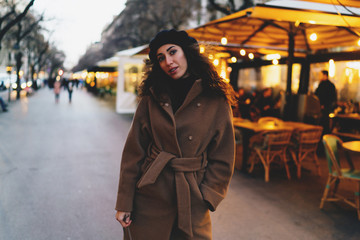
(173, 70)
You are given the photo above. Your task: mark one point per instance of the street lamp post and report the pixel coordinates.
(8, 70)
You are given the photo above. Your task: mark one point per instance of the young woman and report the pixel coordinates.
(178, 158)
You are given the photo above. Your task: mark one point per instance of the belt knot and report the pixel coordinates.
(180, 166)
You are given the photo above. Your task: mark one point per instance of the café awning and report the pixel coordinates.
(347, 3)
(282, 29)
(265, 26)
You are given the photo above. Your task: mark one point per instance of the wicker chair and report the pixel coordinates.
(336, 174)
(268, 145)
(304, 145)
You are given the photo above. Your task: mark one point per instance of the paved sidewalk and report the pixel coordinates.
(59, 166)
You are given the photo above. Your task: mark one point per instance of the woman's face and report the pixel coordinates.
(172, 61)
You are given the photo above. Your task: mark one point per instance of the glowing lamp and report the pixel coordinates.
(8, 69)
(313, 37)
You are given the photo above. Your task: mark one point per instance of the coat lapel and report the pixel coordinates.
(195, 91)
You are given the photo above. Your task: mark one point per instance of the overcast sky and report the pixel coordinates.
(77, 23)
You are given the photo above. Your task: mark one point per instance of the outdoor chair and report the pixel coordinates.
(269, 146)
(336, 173)
(304, 145)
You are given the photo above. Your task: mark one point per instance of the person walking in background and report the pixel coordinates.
(57, 87)
(70, 87)
(3, 105)
(178, 157)
(326, 92)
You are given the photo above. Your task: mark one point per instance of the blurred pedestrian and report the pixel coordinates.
(326, 92)
(3, 105)
(57, 87)
(178, 157)
(70, 87)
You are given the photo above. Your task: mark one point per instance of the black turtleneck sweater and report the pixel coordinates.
(178, 90)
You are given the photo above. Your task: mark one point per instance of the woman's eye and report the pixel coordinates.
(161, 58)
(172, 52)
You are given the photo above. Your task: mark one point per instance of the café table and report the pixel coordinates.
(354, 147)
(346, 126)
(248, 129)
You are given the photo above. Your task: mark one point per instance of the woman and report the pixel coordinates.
(178, 158)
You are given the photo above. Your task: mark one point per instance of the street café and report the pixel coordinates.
(287, 47)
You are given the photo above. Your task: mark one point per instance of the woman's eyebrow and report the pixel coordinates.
(166, 50)
(169, 48)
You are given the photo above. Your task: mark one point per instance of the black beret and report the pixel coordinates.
(180, 38)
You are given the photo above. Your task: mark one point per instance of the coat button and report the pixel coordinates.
(198, 104)
(190, 138)
(166, 104)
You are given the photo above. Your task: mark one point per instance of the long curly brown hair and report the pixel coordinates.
(198, 66)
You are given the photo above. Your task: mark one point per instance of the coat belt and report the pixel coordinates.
(183, 168)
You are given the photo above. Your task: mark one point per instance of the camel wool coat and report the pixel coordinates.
(176, 167)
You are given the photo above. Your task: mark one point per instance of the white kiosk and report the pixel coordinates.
(130, 70)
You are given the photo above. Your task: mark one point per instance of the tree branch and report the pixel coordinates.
(219, 7)
(16, 20)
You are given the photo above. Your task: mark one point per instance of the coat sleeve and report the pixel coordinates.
(221, 156)
(133, 156)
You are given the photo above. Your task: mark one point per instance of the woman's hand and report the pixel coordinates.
(123, 218)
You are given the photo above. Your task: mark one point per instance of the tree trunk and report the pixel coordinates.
(18, 59)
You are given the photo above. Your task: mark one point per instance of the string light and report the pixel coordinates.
(251, 55)
(216, 62)
(275, 61)
(224, 41)
(233, 59)
(272, 56)
(313, 37)
(243, 52)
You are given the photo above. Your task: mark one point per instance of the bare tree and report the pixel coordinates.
(231, 6)
(11, 17)
(137, 24)
(36, 47)
(16, 36)
(54, 60)
(92, 55)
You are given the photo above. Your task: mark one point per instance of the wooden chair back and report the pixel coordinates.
(331, 144)
(308, 139)
(276, 140)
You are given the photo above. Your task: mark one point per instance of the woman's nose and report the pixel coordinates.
(168, 60)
